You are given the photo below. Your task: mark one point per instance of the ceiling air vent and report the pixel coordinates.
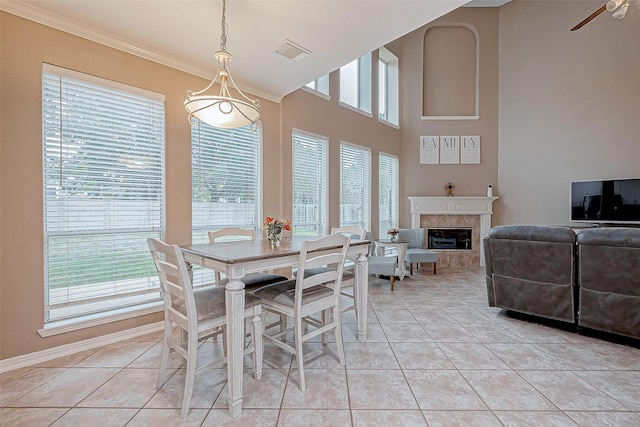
(292, 51)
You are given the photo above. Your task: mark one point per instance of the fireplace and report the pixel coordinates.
(449, 238)
(446, 213)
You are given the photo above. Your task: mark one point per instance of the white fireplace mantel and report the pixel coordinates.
(454, 205)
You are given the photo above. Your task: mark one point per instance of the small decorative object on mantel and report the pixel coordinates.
(274, 227)
(490, 191)
(393, 233)
(449, 187)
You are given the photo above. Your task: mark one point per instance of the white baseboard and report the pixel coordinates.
(76, 347)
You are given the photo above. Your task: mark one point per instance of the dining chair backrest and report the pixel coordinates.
(231, 233)
(175, 283)
(349, 231)
(328, 250)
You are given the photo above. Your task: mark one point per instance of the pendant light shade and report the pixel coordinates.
(223, 110)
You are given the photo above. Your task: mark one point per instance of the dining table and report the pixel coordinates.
(237, 258)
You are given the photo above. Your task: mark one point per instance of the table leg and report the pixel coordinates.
(234, 299)
(402, 253)
(362, 285)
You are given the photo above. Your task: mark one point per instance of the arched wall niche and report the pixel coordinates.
(450, 72)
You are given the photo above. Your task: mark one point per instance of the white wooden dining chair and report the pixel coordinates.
(307, 295)
(348, 275)
(252, 281)
(198, 315)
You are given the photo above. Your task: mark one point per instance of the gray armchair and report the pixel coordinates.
(416, 253)
(381, 265)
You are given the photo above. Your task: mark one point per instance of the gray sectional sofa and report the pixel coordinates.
(589, 278)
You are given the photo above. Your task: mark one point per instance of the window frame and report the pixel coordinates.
(364, 220)
(108, 151)
(358, 82)
(391, 221)
(322, 171)
(388, 88)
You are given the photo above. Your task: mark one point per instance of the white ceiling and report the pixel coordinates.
(184, 34)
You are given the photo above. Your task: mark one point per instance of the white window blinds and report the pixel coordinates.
(226, 179)
(310, 183)
(355, 186)
(387, 193)
(103, 158)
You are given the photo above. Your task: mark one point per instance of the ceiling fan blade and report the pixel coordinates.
(590, 17)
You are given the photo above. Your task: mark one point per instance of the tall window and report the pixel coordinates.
(355, 186)
(355, 83)
(388, 193)
(387, 86)
(103, 167)
(310, 182)
(320, 84)
(225, 179)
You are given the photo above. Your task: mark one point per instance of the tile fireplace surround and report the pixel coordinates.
(455, 212)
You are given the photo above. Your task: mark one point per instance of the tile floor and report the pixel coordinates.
(436, 355)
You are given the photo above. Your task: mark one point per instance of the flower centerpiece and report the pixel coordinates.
(274, 227)
(393, 233)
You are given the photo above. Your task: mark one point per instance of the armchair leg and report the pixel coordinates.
(434, 267)
(411, 269)
(393, 280)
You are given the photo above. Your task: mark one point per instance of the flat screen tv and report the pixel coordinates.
(606, 201)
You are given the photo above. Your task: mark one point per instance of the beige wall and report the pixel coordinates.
(25, 46)
(429, 180)
(569, 104)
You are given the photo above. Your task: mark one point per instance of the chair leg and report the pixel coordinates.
(298, 338)
(190, 373)
(326, 318)
(256, 338)
(164, 358)
(434, 267)
(392, 278)
(336, 315)
(411, 268)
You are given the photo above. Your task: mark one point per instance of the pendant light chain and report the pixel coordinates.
(223, 33)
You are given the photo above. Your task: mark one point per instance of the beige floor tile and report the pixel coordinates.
(569, 392)
(574, 357)
(370, 356)
(314, 418)
(207, 386)
(325, 389)
(406, 332)
(379, 389)
(535, 419)
(388, 418)
(524, 356)
(30, 417)
(168, 417)
(420, 355)
(461, 418)
(103, 417)
(443, 390)
(150, 359)
(435, 315)
(249, 417)
(623, 386)
(387, 316)
(66, 389)
(491, 332)
(472, 356)
(116, 355)
(320, 356)
(265, 393)
(374, 333)
(605, 419)
(130, 388)
(506, 390)
(448, 332)
(623, 356)
(19, 382)
(66, 361)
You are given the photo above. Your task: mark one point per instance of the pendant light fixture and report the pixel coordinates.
(222, 110)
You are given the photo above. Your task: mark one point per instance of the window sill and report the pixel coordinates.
(82, 322)
(393, 125)
(316, 93)
(356, 109)
(450, 117)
